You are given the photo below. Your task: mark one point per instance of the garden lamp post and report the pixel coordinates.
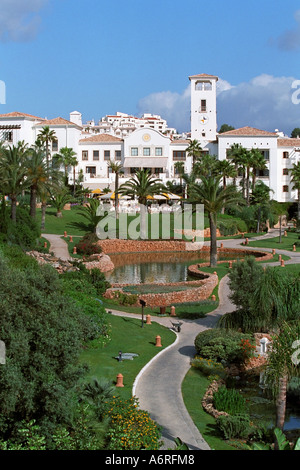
(143, 304)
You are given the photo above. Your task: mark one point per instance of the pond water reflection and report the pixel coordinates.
(158, 268)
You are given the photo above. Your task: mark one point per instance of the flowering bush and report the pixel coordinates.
(209, 367)
(88, 245)
(131, 428)
(247, 350)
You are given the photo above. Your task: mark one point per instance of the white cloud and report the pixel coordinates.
(264, 102)
(290, 39)
(19, 19)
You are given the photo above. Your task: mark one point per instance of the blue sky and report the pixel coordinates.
(99, 57)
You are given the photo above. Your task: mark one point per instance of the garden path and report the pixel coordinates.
(158, 385)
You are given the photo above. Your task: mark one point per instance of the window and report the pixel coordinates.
(179, 155)
(85, 155)
(285, 155)
(146, 151)
(266, 154)
(8, 136)
(158, 151)
(285, 171)
(96, 155)
(134, 152)
(203, 106)
(207, 86)
(90, 170)
(106, 154)
(117, 154)
(54, 146)
(285, 189)
(157, 171)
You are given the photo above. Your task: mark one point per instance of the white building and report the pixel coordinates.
(148, 142)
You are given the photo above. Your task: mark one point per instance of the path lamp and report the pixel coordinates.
(143, 304)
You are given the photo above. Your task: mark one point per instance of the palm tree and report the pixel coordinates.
(13, 174)
(179, 167)
(46, 136)
(59, 197)
(65, 157)
(210, 193)
(295, 173)
(258, 162)
(117, 169)
(205, 166)
(141, 186)
(225, 169)
(37, 173)
(281, 367)
(261, 198)
(194, 150)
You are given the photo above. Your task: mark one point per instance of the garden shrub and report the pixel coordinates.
(229, 400)
(232, 227)
(237, 426)
(88, 246)
(131, 428)
(24, 232)
(208, 367)
(125, 299)
(221, 345)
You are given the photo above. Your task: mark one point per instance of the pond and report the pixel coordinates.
(158, 268)
(262, 407)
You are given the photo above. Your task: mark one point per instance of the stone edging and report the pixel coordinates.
(207, 400)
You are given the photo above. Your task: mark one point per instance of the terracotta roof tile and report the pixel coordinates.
(249, 131)
(99, 138)
(16, 114)
(287, 142)
(203, 75)
(57, 122)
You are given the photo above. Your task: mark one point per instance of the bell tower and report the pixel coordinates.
(203, 107)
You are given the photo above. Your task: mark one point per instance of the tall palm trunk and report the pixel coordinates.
(213, 241)
(44, 205)
(33, 192)
(117, 202)
(13, 199)
(281, 402)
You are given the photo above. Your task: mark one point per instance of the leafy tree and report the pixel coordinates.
(43, 332)
(295, 133)
(226, 128)
(264, 298)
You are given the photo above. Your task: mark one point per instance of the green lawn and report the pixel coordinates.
(286, 242)
(57, 226)
(129, 337)
(194, 387)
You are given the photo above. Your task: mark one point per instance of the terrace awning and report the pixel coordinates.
(145, 162)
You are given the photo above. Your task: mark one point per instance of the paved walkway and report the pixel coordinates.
(58, 246)
(158, 386)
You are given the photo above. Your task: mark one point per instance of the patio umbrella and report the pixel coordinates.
(97, 191)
